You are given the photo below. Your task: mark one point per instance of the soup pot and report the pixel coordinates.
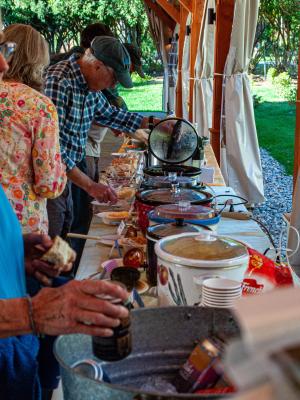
(183, 260)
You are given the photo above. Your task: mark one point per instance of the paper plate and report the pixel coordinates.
(108, 221)
(142, 286)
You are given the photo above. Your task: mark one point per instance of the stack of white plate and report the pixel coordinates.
(220, 292)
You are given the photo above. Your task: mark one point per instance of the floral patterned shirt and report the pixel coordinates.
(31, 169)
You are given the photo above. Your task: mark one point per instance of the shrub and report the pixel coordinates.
(256, 100)
(271, 74)
(285, 87)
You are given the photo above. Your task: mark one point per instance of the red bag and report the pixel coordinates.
(263, 274)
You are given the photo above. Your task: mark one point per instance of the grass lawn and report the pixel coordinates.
(275, 121)
(144, 96)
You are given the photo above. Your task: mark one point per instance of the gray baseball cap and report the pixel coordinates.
(112, 53)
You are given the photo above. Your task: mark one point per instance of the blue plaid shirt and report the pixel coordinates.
(78, 107)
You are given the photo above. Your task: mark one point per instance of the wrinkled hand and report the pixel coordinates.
(74, 308)
(35, 245)
(142, 135)
(103, 193)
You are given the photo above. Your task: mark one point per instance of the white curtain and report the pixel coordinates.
(295, 222)
(186, 71)
(172, 68)
(240, 158)
(203, 87)
(157, 31)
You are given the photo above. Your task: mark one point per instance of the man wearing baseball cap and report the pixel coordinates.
(75, 85)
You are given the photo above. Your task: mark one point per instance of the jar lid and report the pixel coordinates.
(158, 232)
(199, 249)
(173, 141)
(89, 369)
(184, 210)
(167, 196)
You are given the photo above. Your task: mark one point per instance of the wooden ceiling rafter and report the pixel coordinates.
(198, 7)
(187, 4)
(170, 9)
(160, 13)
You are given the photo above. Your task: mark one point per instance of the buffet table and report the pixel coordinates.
(245, 230)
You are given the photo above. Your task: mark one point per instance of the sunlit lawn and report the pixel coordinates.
(144, 97)
(275, 122)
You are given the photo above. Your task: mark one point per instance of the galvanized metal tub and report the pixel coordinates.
(162, 341)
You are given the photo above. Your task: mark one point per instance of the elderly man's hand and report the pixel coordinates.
(75, 308)
(103, 193)
(141, 135)
(35, 245)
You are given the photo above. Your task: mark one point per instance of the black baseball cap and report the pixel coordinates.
(113, 53)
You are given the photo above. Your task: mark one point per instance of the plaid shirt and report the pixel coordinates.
(78, 107)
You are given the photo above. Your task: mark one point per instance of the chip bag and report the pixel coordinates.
(264, 274)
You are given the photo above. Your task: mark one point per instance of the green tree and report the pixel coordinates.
(277, 35)
(61, 21)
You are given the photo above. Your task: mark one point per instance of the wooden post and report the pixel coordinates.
(183, 17)
(170, 9)
(197, 16)
(297, 132)
(225, 13)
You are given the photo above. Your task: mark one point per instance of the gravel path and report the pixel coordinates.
(278, 194)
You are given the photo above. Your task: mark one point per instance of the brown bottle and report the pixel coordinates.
(117, 346)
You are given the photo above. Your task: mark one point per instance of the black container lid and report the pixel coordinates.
(181, 170)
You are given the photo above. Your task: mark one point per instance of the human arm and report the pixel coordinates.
(72, 308)
(49, 171)
(118, 119)
(100, 192)
(35, 245)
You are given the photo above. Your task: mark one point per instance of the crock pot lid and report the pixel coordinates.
(163, 230)
(163, 170)
(184, 210)
(205, 247)
(166, 196)
(166, 181)
(175, 145)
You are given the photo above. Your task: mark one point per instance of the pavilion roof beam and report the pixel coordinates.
(187, 4)
(161, 14)
(170, 10)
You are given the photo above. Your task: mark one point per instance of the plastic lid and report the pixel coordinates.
(158, 232)
(173, 141)
(166, 196)
(184, 210)
(205, 247)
